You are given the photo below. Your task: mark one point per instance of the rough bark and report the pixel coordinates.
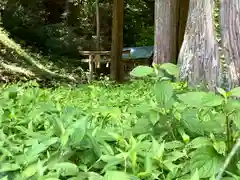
(170, 21)
(199, 57)
(230, 32)
(117, 41)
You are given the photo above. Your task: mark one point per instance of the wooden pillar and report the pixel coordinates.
(117, 41)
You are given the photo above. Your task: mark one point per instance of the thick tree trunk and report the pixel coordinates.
(170, 22)
(117, 41)
(199, 57)
(230, 32)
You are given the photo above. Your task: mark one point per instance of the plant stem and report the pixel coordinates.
(229, 158)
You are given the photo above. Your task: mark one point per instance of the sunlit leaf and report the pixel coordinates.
(141, 71)
(116, 175)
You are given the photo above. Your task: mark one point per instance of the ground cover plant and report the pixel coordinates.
(154, 127)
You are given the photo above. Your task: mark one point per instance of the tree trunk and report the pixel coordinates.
(170, 22)
(199, 57)
(98, 25)
(230, 32)
(117, 41)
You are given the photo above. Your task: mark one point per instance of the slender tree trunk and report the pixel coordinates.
(98, 24)
(230, 32)
(117, 41)
(170, 22)
(199, 58)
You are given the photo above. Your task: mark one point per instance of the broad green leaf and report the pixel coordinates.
(141, 71)
(191, 122)
(211, 100)
(195, 175)
(235, 92)
(199, 142)
(9, 167)
(207, 161)
(116, 175)
(232, 105)
(66, 169)
(171, 69)
(78, 131)
(192, 99)
(164, 92)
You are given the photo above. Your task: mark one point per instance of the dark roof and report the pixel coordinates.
(143, 52)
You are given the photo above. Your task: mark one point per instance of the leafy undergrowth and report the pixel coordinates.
(148, 129)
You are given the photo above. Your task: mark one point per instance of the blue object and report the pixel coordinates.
(143, 52)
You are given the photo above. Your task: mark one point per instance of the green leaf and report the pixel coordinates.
(220, 147)
(77, 131)
(35, 150)
(199, 142)
(222, 92)
(195, 176)
(207, 161)
(235, 92)
(236, 118)
(232, 105)
(30, 171)
(171, 69)
(174, 156)
(192, 99)
(164, 92)
(116, 175)
(111, 161)
(141, 71)
(211, 100)
(148, 163)
(173, 145)
(66, 169)
(157, 149)
(87, 176)
(191, 122)
(201, 99)
(5, 167)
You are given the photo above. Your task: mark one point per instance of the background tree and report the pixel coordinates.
(117, 41)
(199, 56)
(230, 32)
(170, 22)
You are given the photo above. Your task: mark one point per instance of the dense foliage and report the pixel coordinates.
(62, 27)
(131, 131)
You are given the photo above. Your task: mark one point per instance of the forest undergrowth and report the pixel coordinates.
(154, 127)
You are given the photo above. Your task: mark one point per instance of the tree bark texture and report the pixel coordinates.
(170, 22)
(199, 56)
(230, 32)
(116, 67)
